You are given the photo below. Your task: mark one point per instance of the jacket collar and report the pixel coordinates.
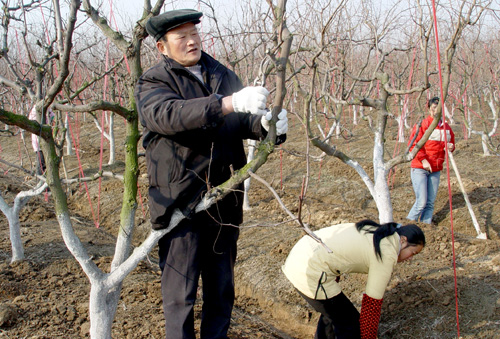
(208, 64)
(206, 61)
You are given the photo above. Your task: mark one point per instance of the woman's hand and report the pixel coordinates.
(426, 165)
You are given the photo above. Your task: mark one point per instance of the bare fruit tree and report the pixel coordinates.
(475, 89)
(40, 79)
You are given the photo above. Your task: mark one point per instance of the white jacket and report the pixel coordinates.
(312, 270)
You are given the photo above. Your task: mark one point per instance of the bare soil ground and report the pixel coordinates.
(46, 296)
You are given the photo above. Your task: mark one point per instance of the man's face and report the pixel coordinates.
(183, 44)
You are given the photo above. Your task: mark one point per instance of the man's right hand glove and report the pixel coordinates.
(251, 100)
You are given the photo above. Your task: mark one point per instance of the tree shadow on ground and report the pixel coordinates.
(484, 197)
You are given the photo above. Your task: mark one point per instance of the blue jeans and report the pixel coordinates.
(425, 186)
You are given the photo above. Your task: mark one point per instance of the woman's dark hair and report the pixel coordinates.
(432, 101)
(414, 235)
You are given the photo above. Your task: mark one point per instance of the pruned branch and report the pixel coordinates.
(64, 59)
(99, 105)
(298, 220)
(118, 39)
(44, 131)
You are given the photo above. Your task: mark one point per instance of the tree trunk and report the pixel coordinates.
(102, 309)
(382, 196)
(69, 142)
(381, 193)
(484, 142)
(338, 130)
(14, 230)
(12, 215)
(111, 134)
(246, 185)
(401, 128)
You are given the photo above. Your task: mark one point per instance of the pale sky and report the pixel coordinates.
(128, 11)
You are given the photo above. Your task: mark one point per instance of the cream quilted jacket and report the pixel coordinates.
(312, 270)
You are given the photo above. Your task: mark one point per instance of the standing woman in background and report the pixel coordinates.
(364, 247)
(428, 162)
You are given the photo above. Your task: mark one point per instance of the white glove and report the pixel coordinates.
(281, 124)
(251, 100)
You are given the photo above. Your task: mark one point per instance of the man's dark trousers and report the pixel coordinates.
(198, 246)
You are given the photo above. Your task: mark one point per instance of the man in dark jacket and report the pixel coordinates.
(196, 114)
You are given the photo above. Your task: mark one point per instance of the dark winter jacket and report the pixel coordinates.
(189, 142)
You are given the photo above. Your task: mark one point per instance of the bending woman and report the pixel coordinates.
(364, 247)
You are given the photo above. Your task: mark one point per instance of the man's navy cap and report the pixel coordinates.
(157, 26)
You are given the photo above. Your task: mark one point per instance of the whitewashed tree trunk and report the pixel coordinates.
(320, 129)
(494, 111)
(12, 215)
(469, 119)
(449, 115)
(378, 189)
(109, 136)
(101, 310)
(485, 135)
(105, 288)
(14, 230)
(338, 130)
(381, 193)
(246, 183)
(403, 121)
(69, 142)
(484, 143)
(401, 128)
(383, 197)
(111, 133)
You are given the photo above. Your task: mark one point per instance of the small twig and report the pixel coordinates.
(301, 201)
(304, 226)
(432, 286)
(261, 225)
(94, 177)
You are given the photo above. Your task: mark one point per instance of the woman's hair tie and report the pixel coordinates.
(398, 226)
